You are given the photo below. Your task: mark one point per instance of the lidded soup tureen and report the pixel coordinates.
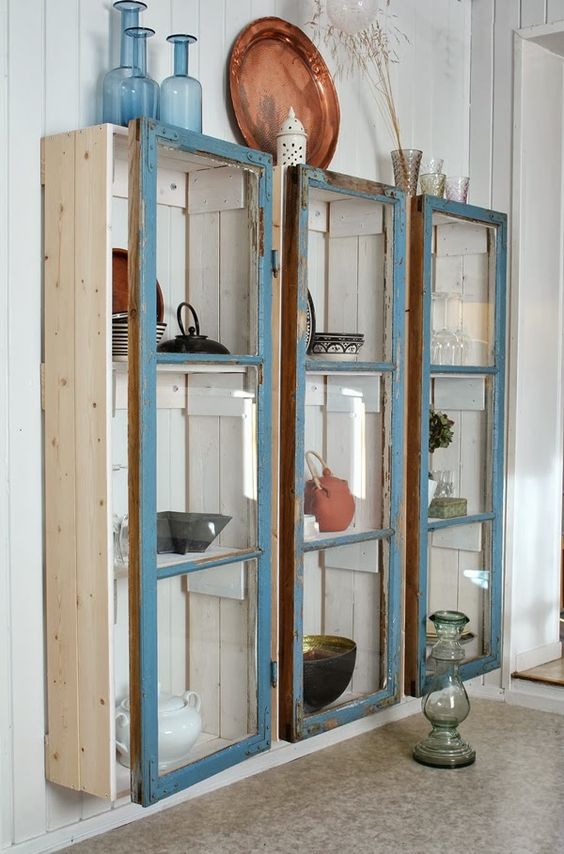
(180, 724)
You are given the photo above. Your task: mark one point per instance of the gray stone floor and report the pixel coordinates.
(367, 795)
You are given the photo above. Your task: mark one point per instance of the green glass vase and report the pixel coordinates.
(447, 704)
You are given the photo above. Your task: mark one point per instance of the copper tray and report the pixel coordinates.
(274, 66)
(120, 286)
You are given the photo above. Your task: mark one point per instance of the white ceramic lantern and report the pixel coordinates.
(291, 141)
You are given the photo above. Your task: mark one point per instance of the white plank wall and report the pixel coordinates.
(65, 48)
(529, 638)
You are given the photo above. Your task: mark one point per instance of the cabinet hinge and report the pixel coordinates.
(274, 673)
(275, 263)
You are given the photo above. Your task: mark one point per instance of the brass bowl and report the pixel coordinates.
(328, 668)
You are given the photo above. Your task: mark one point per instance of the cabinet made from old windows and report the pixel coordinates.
(154, 432)
(343, 251)
(456, 371)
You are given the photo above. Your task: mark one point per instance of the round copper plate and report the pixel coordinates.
(120, 286)
(274, 66)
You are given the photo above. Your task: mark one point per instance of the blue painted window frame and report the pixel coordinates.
(304, 726)
(496, 371)
(147, 786)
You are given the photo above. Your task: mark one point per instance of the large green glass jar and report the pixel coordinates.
(447, 704)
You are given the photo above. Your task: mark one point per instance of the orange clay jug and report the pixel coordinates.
(328, 497)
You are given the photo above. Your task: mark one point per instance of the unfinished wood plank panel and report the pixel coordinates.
(93, 434)
(62, 753)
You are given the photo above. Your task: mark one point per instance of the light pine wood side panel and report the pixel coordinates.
(93, 463)
(62, 752)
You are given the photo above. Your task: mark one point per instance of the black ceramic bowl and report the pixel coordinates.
(328, 667)
(188, 532)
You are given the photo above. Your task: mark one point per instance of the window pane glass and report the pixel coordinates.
(345, 596)
(207, 624)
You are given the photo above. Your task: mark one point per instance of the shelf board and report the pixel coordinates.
(192, 561)
(120, 366)
(333, 539)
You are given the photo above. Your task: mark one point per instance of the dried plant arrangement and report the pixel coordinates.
(369, 50)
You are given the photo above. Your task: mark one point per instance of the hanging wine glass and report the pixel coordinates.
(464, 340)
(444, 343)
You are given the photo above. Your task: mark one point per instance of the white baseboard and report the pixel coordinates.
(536, 695)
(538, 655)
(280, 753)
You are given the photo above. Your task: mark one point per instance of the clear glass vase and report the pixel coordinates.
(406, 163)
(139, 92)
(447, 704)
(181, 95)
(111, 87)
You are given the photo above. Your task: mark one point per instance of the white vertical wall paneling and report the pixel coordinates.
(451, 83)
(481, 102)
(6, 763)
(62, 90)
(506, 21)
(76, 44)
(554, 11)
(93, 56)
(538, 334)
(533, 12)
(185, 18)
(25, 116)
(212, 70)
(159, 54)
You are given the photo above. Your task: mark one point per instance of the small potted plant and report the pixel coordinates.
(440, 436)
(440, 430)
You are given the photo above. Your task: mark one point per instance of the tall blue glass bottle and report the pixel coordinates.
(111, 87)
(181, 95)
(139, 92)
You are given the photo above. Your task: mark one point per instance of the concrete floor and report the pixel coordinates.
(367, 795)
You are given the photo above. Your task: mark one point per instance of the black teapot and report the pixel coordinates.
(193, 342)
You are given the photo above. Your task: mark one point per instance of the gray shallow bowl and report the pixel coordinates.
(328, 668)
(180, 533)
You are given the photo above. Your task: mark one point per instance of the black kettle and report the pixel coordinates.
(193, 342)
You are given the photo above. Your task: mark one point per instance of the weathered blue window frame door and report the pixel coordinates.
(147, 140)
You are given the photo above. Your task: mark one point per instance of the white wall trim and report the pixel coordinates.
(540, 655)
(534, 695)
(280, 753)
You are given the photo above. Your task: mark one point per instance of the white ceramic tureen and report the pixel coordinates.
(180, 724)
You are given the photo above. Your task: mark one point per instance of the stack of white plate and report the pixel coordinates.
(120, 336)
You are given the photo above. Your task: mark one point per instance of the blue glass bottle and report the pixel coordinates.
(111, 87)
(139, 92)
(181, 95)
